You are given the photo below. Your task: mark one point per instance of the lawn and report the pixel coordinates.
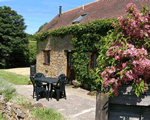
(14, 78)
(7, 89)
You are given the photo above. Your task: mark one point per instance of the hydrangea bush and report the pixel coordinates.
(127, 52)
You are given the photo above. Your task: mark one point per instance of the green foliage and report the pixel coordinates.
(139, 88)
(84, 42)
(8, 93)
(32, 52)
(3, 84)
(1, 116)
(23, 101)
(30, 37)
(41, 27)
(13, 41)
(45, 113)
(6, 89)
(19, 99)
(97, 27)
(42, 113)
(103, 46)
(84, 39)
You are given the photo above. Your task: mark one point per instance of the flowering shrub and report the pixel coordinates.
(128, 52)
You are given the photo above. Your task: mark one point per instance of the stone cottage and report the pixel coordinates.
(54, 54)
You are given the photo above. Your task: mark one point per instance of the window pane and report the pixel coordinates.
(80, 18)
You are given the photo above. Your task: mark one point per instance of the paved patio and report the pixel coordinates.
(77, 106)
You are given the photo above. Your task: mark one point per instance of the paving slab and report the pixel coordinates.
(77, 106)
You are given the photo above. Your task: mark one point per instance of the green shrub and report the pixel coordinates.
(6, 89)
(32, 52)
(8, 93)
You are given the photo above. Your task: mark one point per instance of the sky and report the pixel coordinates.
(38, 12)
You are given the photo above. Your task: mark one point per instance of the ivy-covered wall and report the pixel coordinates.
(84, 39)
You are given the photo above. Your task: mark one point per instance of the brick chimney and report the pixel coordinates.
(60, 7)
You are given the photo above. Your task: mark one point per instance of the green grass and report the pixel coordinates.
(45, 113)
(14, 78)
(38, 113)
(7, 89)
(1, 116)
(21, 100)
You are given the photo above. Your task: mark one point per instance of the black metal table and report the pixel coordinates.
(48, 80)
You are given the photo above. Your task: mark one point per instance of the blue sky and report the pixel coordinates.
(37, 12)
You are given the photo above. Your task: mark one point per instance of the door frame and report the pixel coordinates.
(67, 51)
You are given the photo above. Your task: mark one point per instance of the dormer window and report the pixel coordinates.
(78, 20)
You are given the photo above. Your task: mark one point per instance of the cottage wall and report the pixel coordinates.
(58, 56)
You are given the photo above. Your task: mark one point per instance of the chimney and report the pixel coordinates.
(60, 11)
(83, 7)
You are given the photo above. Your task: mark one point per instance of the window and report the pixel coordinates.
(92, 60)
(47, 57)
(78, 20)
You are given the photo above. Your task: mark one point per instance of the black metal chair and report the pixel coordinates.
(40, 75)
(36, 89)
(59, 88)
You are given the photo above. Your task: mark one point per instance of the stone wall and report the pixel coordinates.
(13, 111)
(58, 57)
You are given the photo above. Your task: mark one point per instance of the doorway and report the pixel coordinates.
(70, 67)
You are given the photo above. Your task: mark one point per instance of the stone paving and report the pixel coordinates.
(77, 106)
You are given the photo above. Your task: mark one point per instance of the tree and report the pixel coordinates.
(13, 41)
(42, 26)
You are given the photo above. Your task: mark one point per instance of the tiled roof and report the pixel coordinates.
(96, 10)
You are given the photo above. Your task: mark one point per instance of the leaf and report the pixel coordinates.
(130, 71)
(141, 83)
(121, 76)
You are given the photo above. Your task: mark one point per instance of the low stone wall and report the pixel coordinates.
(13, 111)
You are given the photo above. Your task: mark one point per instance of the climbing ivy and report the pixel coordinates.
(84, 39)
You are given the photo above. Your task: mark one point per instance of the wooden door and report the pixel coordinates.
(70, 68)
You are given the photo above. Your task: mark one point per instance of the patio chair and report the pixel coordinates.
(59, 88)
(36, 90)
(40, 75)
(61, 75)
(52, 85)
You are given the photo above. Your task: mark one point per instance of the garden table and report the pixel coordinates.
(48, 80)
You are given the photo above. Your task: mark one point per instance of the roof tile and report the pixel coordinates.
(102, 9)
